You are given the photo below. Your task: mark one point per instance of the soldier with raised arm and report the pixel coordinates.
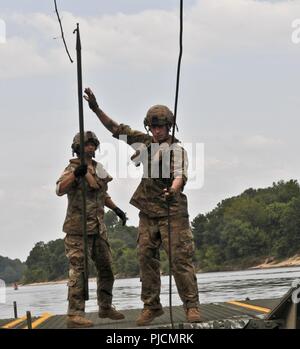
(70, 183)
(152, 197)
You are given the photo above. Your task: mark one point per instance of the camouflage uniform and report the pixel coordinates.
(98, 246)
(153, 225)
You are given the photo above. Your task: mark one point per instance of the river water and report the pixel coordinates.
(213, 287)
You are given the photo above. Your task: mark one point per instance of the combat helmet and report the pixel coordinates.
(89, 136)
(159, 115)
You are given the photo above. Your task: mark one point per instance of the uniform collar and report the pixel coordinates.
(168, 140)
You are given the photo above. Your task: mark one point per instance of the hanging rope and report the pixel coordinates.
(178, 68)
(172, 141)
(62, 31)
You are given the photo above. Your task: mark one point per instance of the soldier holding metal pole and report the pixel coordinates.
(85, 182)
(153, 197)
(96, 180)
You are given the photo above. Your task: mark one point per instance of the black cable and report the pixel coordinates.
(178, 68)
(62, 32)
(172, 141)
(170, 268)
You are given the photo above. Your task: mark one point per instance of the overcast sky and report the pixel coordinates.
(239, 96)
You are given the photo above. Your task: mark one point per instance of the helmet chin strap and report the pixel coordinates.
(87, 156)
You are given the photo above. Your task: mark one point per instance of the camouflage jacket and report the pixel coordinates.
(96, 193)
(159, 172)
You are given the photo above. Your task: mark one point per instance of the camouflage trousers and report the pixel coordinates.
(100, 253)
(152, 233)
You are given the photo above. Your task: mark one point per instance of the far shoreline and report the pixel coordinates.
(269, 263)
(272, 263)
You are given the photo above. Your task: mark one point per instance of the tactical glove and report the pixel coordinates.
(170, 194)
(80, 171)
(121, 215)
(91, 99)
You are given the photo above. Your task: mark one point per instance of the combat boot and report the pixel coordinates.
(147, 316)
(193, 315)
(77, 321)
(110, 313)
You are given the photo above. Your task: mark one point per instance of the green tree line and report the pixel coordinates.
(240, 232)
(11, 270)
(248, 228)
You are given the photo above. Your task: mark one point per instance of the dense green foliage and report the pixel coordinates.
(11, 270)
(240, 232)
(47, 262)
(122, 240)
(243, 230)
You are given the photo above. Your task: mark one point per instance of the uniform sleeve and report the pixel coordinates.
(65, 173)
(179, 163)
(130, 136)
(102, 173)
(107, 196)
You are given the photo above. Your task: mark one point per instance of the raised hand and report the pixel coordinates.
(90, 97)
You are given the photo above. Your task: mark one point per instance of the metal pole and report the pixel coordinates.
(82, 161)
(170, 267)
(15, 310)
(29, 320)
(172, 141)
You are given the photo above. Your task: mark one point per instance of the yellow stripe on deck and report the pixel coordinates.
(250, 306)
(14, 323)
(43, 318)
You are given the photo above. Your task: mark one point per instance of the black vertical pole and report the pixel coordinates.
(171, 156)
(15, 310)
(29, 320)
(82, 161)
